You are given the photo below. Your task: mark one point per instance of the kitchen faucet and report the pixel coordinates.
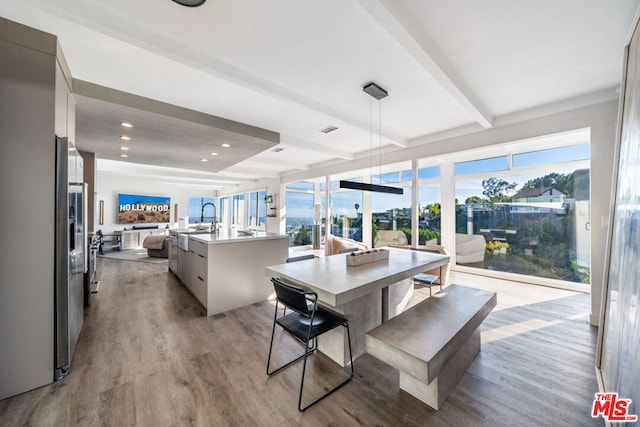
(213, 219)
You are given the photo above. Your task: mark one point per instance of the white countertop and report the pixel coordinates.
(228, 235)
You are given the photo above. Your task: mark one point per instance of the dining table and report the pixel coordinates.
(367, 294)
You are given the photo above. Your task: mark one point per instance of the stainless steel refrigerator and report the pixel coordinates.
(71, 256)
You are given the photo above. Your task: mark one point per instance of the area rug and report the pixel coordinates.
(138, 255)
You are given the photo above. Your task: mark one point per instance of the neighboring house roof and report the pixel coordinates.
(533, 192)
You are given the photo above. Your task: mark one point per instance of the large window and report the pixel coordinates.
(225, 211)
(299, 212)
(346, 211)
(237, 210)
(429, 206)
(532, 219)
(200, 209)
(257, 210)
(392, 211)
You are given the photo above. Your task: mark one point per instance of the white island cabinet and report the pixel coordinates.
(225, 270)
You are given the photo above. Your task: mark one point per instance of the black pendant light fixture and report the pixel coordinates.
(190, 3)
(378, 93)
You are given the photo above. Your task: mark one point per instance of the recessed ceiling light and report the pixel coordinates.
(124, 148)
(125, 137)
(204, 160)
(126, 124)
(124, 155)
(225, 145)
(277, 149)
(328, 129)
(214, 154)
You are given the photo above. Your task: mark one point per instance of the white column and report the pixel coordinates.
(327, 203)
(415, 200)
(448, 214)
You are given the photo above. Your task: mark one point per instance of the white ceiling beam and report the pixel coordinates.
(318, 148)
(251, 170)
(407, 32)
(259, 161)
(120, 168)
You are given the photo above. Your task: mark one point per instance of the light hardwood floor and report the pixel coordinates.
(148, 356)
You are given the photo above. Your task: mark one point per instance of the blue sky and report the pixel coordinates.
(127, 199)
(194, 208)
(343, 202)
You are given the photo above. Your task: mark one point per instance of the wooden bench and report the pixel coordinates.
(433, 343)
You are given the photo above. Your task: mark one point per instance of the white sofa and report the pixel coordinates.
(390, 237)
(333, 245)
(470, 248)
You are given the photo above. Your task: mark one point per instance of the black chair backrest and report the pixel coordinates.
(300, 258)
(292, 296)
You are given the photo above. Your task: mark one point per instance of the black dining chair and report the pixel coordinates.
(305, 322)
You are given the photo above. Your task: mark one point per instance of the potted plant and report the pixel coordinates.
(268, 198)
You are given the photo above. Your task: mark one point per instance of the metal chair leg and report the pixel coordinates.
(304, 367)
(273, 330)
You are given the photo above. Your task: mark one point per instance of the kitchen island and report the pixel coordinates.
(225, 270)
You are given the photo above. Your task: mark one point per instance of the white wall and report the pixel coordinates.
(109, 185)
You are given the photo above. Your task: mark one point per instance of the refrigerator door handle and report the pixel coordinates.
(72, 236)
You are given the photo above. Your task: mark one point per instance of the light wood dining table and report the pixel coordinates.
(366, 294)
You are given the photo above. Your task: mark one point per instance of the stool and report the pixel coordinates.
(427, 280)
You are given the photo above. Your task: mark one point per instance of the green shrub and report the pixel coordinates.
(424, 235)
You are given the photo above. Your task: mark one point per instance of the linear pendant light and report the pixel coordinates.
(378, 93)
(370, 187)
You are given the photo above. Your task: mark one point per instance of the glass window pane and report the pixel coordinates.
(386, 178)
(237, 209)
(262, 210)
(430, 172)
(538, 228)
(299, 217)
(195, 209)
(300, 185)
(484, 165)
(346, 214)
(554, 155)
(389, 213)
(406, 176)
(225, 211)
(256, 209)
(429, 207)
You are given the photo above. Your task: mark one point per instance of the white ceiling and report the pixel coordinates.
(294, 67)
